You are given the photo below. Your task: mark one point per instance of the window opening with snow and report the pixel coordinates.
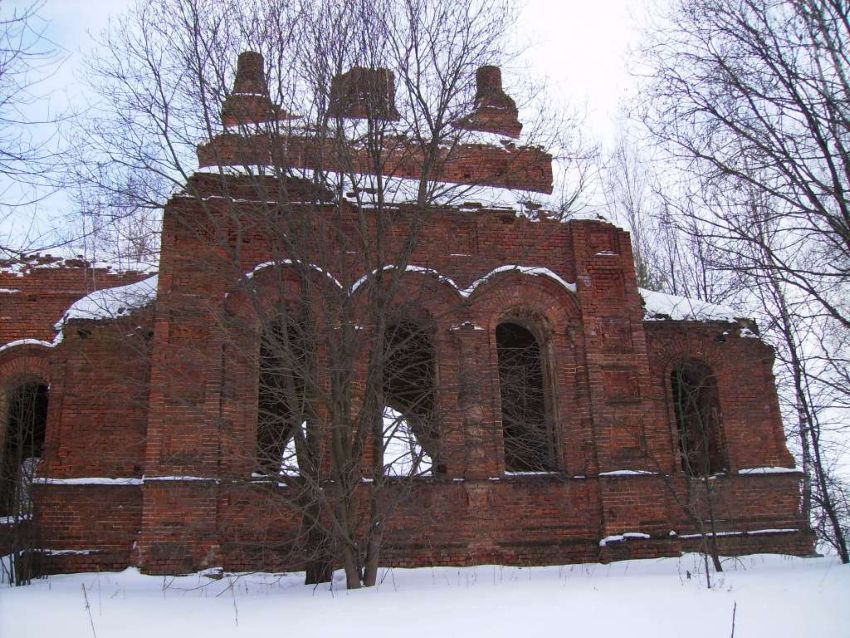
(23, 445)
(698, 424)
(283, 410)
(410, 432)
(528, 437)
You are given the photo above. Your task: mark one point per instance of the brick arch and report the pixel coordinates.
(422, 296)
(429, 288)
(525, 394)
(433, 303)
(683, 348)
(715, 455)
(515, 293)
(679, 357)
(24, 362)
(273, 283)
(426, 300)
(752, 427)
(546, 308)
(270, 287)
(412, 373)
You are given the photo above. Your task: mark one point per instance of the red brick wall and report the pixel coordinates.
(526, 168)
(96, 408)
(46, 287)
(87, 527)
(607, 372)
(100, 389)
(743, 368)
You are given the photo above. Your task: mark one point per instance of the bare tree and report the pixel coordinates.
(646, 194)
(630, 198)
(749, 102)
(346, 387)
(810, 386)
(753, 96)
(28, 128)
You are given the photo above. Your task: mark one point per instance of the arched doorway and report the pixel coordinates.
(23, 445)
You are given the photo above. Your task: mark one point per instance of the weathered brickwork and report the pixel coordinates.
(138, 397)
(36, 291)
(744, 368)
(152, 423)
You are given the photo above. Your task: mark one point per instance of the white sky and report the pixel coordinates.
(578, 47)
(581, 48)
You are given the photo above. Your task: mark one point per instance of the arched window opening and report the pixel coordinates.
(528, 438)
(26, 424)
(286, 357)
(410, 432)
(697, 408)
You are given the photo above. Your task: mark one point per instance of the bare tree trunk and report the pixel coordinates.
(352, 570)
(807, 417)
(827, 501)
(320, 568)
(373, 549)
(711, 537)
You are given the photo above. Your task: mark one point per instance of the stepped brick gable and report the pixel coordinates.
(153, 393)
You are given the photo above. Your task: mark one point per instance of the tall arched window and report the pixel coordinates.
(697, 407)
(528, 437)
(23, 444)
(286, 357)
(410, 432)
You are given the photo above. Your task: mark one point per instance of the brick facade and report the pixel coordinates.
(161, 406)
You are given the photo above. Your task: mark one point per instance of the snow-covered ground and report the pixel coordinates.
(773, 596)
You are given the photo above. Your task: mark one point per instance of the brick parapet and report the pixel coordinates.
(526, 168)
(36, 291)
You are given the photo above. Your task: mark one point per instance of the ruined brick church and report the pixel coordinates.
(145, 396)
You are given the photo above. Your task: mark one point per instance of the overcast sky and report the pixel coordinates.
(578, 47)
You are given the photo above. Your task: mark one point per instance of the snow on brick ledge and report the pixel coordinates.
(628, 473)
(363, 188)
(87, 480)
(660, 306)
(30, 342)
(768, 470)
(68, 259)
(619, 538)
(111, 303)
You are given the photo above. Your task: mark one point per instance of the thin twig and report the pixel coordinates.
(88, 609)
